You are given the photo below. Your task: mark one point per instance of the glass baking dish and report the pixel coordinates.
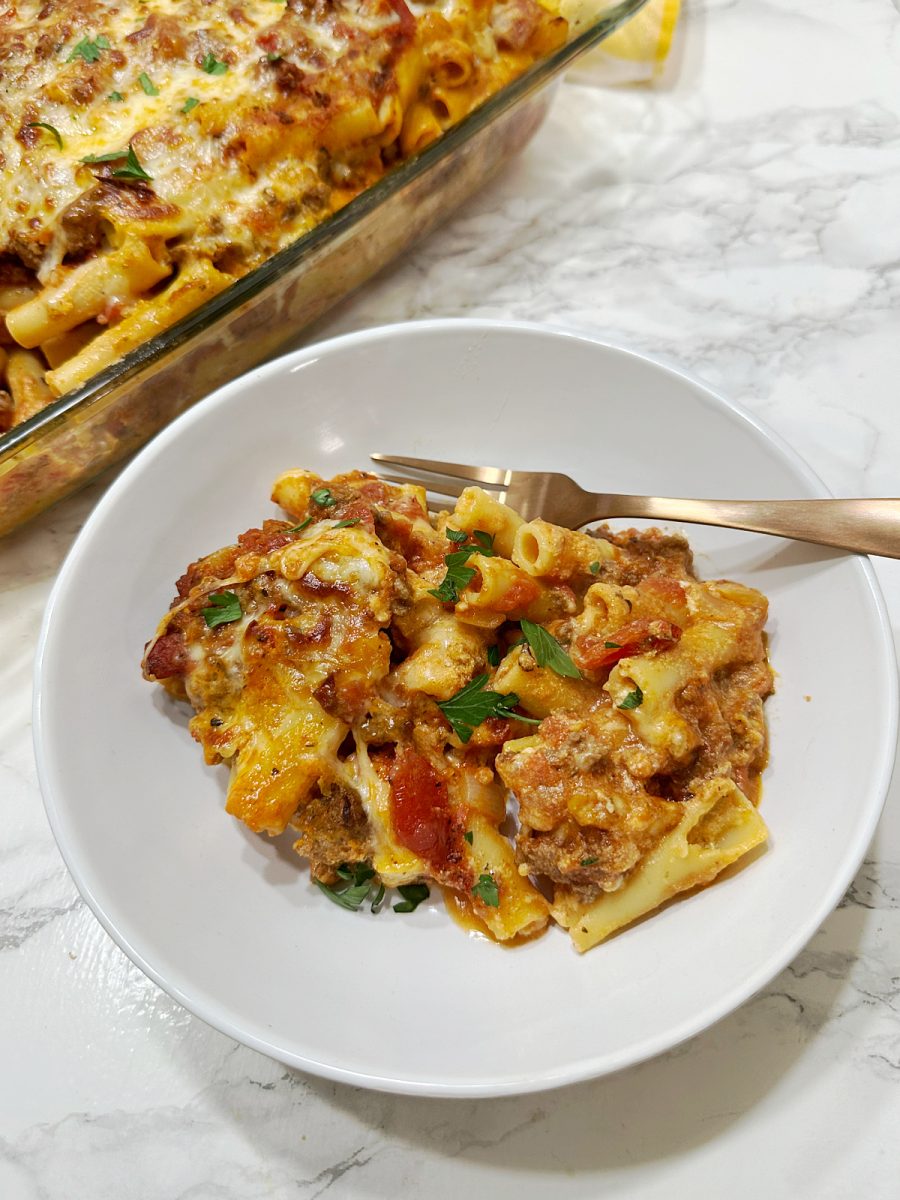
(83, 432)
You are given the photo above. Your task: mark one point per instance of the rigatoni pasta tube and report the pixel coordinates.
(195, 283)
(498, 586)
(719, 826)
(25, 380)
(84, 291)
(540, 690)
(544, 549)
(477, 509)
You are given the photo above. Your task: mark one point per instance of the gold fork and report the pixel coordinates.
(866, 526)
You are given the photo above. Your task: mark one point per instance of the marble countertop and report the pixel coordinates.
(742, 220)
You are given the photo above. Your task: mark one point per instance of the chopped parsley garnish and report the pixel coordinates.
(594, 568)
(547, 651)
(147, 84)
(354, 888)
(89, 50)
(469, 836)
(457, 577)
(272, 56)
(413, 894)
(379, 896)
(51, 129)
(117, 96)
(493, 656)
(190, 103)
(456, 535)
(475, 703)
(485, 543)
(132, 168)
(223, 607)
(611, 646)
(487, 891)
(213, 66)
(346, 523)
(589, 862)
(634, 699)
(300, 527)
(323, 497)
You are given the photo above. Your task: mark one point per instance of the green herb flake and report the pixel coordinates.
(487, 891)
(493, 656)
(88, 50)
(345, 524)
(589, 862)
(299, 528)
(469, 836)
(353, 891)
(634, 699)
(611, 646)
(413, 894)
(323, 497)
(485, 543)
(458, 576)
(51, 129)
(116, 96)
(223, 607)
(272, 57)
(132, 168)
(456, 535)
(475, 703)
(379, 897)
(213, 66)
(147, 84)
(594, 568)
(547, 651)
(189, 104)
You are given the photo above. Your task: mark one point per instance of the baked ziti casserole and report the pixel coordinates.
(385, 682)
(153, 152)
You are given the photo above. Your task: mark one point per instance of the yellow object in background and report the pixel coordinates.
(635, 53)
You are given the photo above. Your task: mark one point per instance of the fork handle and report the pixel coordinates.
(866, 526)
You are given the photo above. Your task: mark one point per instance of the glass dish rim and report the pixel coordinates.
(118, 374)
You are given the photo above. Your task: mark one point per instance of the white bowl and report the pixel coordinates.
(228, 922)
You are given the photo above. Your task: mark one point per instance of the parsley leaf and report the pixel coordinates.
(594, 568)
(589, 862)
(213, 66)
(493, 656)
(413, 894)
(457, 577)
(475, 703)
(485, 543)
(50, 129)
(355, 888)
(456, 535)
(223, 607)
(147, 84)
(300, 527)
(634, 699)
(547, 650)
(323, 497)
(346, 523)
(115, 96)
(469, 836)
(611, 646)
(190, 103)
(487, 891)
(379, 896)
(132, 168)
(88, 50)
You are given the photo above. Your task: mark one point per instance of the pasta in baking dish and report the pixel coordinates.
(153, 151)
(382, 681)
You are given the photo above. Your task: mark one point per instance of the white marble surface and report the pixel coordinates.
(743, 221)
